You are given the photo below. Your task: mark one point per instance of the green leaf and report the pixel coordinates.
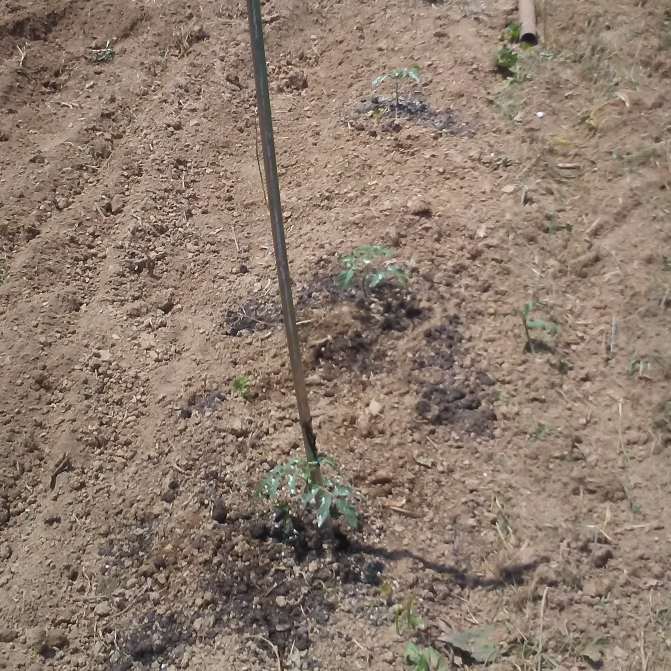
(379, 80)
(527, 308)
(506, 58)
(324, 509)
(434, 660)
(483, 643)
(341, 490)
(239, 384)
(344, 278)
(542, 325)
(310, 494)
(376, 278)
(347, 510)
(291, 482)
(412, 652)
(270, 483)
(329, 461)
(413, 73)
(414, 621)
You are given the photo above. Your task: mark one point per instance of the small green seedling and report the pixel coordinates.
(362, 263)
(548, 327)
(397, 75)
(239, 384)
(512, 32)
(104, 54)
(404, 617)
(506, 60)
(425, 659)
(297, 474)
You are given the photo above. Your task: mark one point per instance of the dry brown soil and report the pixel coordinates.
(529, 489)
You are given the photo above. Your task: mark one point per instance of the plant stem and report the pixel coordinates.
(526, 331)
(396, 109)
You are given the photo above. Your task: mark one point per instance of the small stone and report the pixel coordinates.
(7, 635)
(374, 407)
(596, 587)
(380, 477)
(62, 203)
(117, 204)
(105, 355)
(393, 237)
(281, 601)
(419, 207)
(509, 188)
(219, 511)
(165, 301)
(39, 376)
(103, 609)
(56, 638)
(440, 33)
(36, 639)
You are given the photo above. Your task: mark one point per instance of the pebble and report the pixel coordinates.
(36, 638)
(380, 477)
(374, 407)
(281, 601)
(419, 207)
(117, 204)
(7, 635)
(103, 609)
(56, 638)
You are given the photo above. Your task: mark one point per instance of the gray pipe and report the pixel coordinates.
(527, 16)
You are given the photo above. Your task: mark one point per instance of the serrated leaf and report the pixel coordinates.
(344, 278)
(483, 643)
(376, 278)
(341, 490)
(329, 461)
(412, 652)
(423, 461)
(324, 509)
(415, 622)
(347, 510)
(310, 494)
(542, 325)
(593, 650)
(434, 660)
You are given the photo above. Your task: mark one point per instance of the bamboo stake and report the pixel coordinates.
(277, 225)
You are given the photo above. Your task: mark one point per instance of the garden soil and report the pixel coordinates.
(519, 492)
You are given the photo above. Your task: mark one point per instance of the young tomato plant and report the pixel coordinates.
(425, 659)
(404, 617)
(364, 263)
(296, 477)
(397, 75)
(540, 324)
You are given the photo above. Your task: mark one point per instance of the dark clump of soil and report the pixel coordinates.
(454, 405)
(440, 344)
(381, 113)
(254, 315)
